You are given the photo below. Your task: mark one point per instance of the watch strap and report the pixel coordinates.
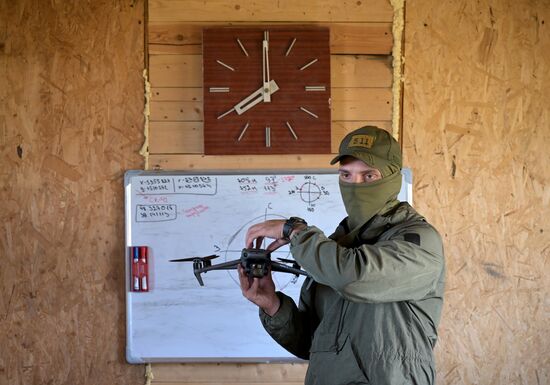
(290, 224)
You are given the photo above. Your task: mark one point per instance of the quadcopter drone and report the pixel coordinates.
(255, 262)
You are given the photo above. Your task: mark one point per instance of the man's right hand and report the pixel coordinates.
(260, 291)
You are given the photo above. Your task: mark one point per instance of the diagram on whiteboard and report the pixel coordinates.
(309, 191)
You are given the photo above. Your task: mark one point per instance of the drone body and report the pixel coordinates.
(255, 262)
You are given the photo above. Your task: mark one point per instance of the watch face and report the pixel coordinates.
(266, 90)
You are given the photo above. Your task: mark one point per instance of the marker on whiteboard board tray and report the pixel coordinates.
(135, 267)
(144, 272)
(135, 253)
(140, 268)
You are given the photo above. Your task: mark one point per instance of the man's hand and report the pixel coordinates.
(269, 229)
(260, 291)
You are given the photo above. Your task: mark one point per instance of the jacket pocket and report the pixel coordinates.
(332, 361)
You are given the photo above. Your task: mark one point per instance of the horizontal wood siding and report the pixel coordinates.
(361, 72)
(345, 38)
(269, 11)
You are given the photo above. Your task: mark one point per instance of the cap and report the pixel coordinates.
(374, 146)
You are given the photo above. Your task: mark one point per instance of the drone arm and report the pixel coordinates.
(276, 266)
(221, 266)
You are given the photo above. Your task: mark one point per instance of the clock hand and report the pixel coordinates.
(254, 98)
(265, 68)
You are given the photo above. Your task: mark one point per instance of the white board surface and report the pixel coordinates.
(182, 214)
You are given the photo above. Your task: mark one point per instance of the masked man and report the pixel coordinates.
(370, 311)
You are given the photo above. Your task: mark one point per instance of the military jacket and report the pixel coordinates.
(370, 311)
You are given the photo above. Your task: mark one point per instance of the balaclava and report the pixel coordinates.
(378, 149)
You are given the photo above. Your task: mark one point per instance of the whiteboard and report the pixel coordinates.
(184, 214)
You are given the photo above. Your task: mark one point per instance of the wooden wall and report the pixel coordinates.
(476, 133)
(361, 74)
(476, 96)
(71, 123)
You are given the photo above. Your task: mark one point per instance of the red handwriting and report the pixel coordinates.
(195, 211)
(287, 178)
(155, 199)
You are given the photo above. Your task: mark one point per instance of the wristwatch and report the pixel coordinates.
(290, 224)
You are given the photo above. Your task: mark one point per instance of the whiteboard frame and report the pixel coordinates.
(130, 357)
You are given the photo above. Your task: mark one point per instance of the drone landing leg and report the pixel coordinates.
(198, 276)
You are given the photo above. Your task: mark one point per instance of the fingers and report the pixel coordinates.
(256, 232)
(259, 241)
(260, 291)
(250, 236)
(276, 244)
(243, 280)
(269, 229)
(255, 285)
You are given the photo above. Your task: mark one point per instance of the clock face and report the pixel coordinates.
(266, 90)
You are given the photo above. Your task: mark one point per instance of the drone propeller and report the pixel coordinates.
(294, 269)
(193, 259)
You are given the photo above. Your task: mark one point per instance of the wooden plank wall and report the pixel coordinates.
(361, 75)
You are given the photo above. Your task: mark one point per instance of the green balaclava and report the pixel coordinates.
(378, 149)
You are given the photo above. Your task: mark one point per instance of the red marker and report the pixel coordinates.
(144, 268)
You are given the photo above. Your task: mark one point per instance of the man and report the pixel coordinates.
(370, 312)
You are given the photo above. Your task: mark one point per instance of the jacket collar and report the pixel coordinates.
(393, 214)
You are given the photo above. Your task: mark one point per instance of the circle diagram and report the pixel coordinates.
(309, 192)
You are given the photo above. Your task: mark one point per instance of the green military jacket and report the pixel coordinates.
(370, 312)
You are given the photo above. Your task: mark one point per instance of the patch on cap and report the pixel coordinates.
(366, 141)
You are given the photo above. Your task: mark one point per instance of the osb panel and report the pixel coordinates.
(70, 124)
(476, 130)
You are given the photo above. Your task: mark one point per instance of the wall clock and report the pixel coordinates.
(266, 90)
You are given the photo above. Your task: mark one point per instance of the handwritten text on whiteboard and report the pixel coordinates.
(155, 213)
(188, 184)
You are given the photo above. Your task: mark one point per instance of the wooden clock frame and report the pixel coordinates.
(266, 90)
